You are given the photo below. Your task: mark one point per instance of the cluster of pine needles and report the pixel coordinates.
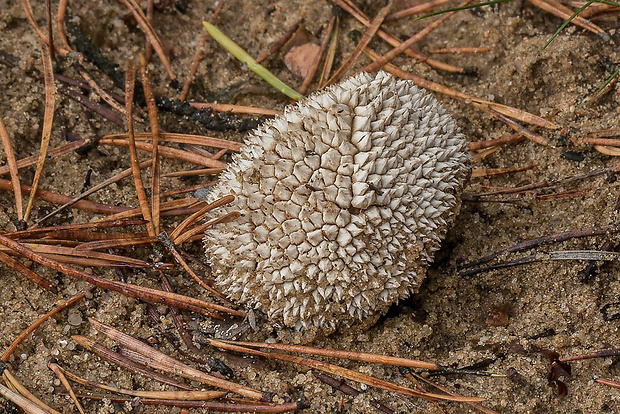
(70, 248)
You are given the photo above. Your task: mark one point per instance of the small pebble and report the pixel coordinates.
(74, 319)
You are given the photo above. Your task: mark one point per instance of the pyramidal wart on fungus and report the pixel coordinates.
(343, 200)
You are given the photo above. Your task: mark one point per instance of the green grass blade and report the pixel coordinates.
(471, 6)
(570, 19)
(611, 3)
(235, 50)
(608, 81)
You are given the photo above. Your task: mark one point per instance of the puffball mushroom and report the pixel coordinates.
(343, 200)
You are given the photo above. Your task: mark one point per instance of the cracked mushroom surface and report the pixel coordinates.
(343, 201)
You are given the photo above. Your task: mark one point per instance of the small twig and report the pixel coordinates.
(278, 44)
(364, 41)
(146, 27)
(317, 59)
(166, 395)
(62, 199)
(16, 386)
(34, 277)
(200, 52)
(63, 380)
(379, 63)
(482, 104)
(64, 305)
(235, 109)
(417, 9)
(450, 50)
(552, 238)
(164, 362)
(126, 363)
(340, 385)
(340, 371)
(92, 190)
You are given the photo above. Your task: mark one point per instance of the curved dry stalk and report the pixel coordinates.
(155, 171)
(48, 118)
(130, 78)
(12, 165)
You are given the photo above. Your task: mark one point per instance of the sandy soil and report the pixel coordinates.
(448, 321)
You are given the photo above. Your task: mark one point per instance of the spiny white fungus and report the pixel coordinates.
(343, 200)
